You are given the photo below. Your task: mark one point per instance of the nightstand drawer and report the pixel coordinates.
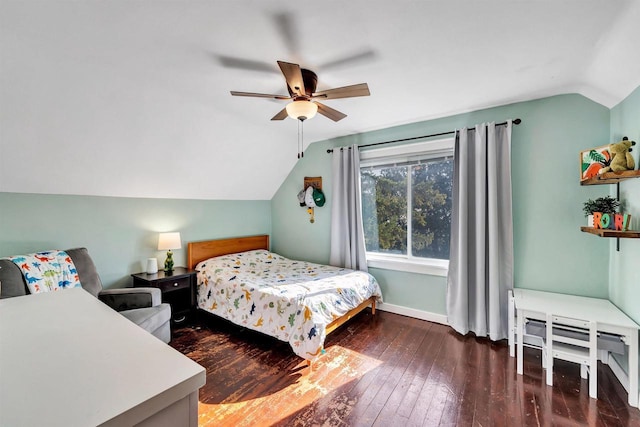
(177, 287)
(174, 284)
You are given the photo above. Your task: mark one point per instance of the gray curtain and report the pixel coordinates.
(481, 259)
(347, 232)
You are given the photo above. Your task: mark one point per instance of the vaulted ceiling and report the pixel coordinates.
(131, 98)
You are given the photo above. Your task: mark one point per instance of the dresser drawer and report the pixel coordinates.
(175, 284)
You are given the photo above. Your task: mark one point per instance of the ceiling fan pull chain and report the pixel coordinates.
(298, 147)
(301, 138)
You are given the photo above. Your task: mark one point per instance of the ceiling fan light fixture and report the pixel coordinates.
(302, 110)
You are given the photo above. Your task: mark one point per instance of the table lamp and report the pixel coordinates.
(169, 241)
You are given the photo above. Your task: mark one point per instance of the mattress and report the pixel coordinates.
(290, 300)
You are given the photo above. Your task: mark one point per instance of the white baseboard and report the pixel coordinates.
(617, 370)
(619, 373)
(603, 356)
(412, 312)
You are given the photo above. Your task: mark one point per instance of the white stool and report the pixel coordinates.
(580, 348)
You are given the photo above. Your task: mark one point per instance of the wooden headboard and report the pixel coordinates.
(199, 251)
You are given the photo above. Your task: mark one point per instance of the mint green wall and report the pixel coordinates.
(549, 248)
(409, 289)
(624, 284)
(121, 233)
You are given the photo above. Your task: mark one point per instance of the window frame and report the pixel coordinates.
(397, 154)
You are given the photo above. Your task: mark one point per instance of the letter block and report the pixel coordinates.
(619, 221)
(597, 216)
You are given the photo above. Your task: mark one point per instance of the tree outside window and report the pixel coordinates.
(406, 208)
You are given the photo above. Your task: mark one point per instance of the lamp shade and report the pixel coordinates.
(302, 110)
(168, 241)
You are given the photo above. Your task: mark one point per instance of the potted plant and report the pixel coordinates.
(605, 204)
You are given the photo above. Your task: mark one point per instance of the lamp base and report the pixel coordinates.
(168, 263)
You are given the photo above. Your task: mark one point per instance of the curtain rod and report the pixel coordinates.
(330, 150)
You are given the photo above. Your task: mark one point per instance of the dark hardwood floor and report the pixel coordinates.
(389, 370)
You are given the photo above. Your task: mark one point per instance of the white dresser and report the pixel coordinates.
(66, 359)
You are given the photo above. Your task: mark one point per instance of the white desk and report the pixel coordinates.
(610, 319)
(66, 359)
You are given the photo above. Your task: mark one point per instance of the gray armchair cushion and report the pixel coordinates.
(87, 271)
(151, 319)
(131, 298)
(13, 284)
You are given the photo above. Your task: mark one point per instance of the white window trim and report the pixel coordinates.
(431, 266)
(431, 149)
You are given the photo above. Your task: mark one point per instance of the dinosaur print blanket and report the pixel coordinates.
(47, 271)
(290, 300)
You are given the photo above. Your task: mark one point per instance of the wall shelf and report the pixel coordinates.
(611, 177)
(629, 234)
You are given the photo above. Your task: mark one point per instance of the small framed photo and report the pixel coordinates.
(592, 160)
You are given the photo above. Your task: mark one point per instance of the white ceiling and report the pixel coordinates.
(131, 98)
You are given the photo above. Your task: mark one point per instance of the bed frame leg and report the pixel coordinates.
(373, 307)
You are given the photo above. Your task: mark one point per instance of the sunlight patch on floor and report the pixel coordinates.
(335, 369)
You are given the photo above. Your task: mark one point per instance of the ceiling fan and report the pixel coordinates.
(301, 84)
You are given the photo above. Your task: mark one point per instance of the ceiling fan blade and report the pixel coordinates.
(282, 114)
(285, 24)
(361, 89)
(245, 64)
(293, 75)
(329, 112)
(259, 95)
(352, 59)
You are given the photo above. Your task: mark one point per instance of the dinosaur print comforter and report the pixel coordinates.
(290, 300)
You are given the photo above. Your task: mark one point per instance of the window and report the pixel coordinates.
(406, 206)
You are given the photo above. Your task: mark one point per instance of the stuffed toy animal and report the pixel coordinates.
(622, 159)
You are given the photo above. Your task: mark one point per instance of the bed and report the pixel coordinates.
(298, 302)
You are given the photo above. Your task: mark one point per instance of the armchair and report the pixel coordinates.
(143, 306)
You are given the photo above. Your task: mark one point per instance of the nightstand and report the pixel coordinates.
(178, 289)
